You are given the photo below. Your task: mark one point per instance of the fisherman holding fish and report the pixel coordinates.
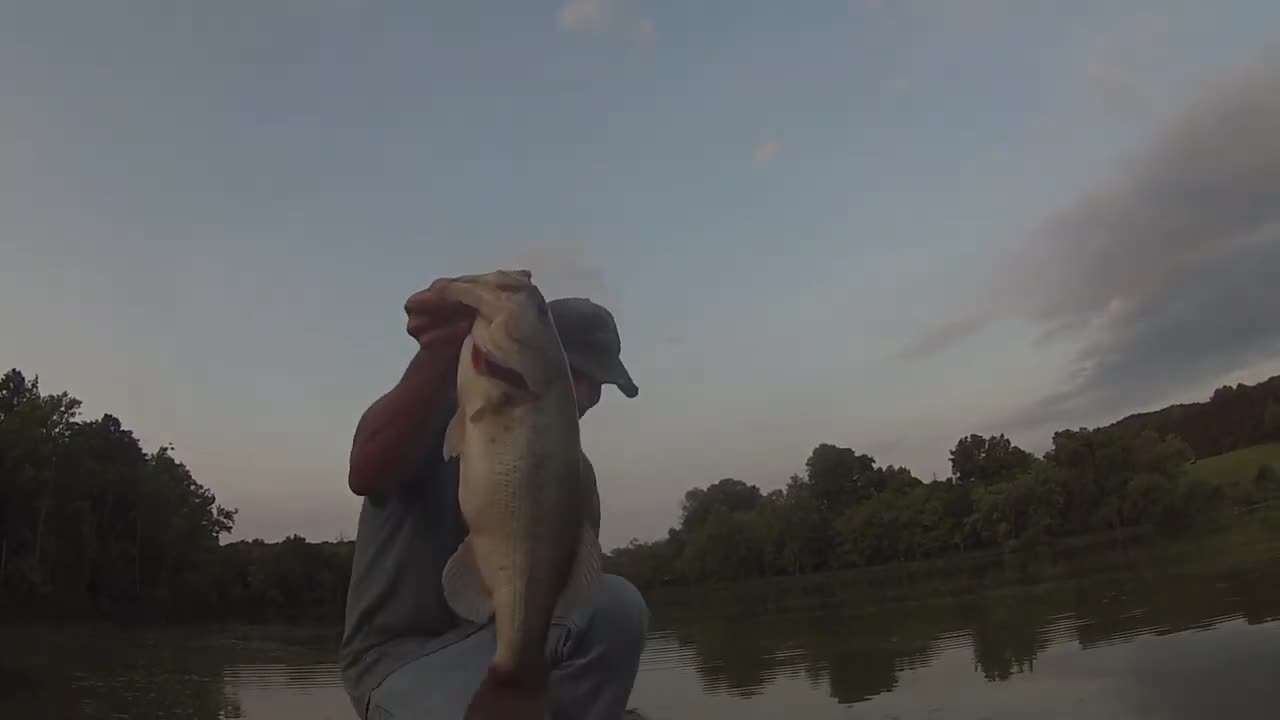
(476, 588)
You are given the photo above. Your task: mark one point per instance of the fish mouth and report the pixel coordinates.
(486, 365)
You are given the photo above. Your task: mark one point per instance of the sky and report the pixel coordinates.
(880, 224)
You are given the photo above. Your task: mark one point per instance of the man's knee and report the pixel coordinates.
(623, 611)
(596, 653)
(617, 624)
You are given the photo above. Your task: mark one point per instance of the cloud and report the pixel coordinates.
(1164, 272)
(944, 334)
(582, 15)
(1188, 330)
(764, 152)
(564, 271)
(598, 16)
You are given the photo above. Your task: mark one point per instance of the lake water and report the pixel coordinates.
(1170, 635)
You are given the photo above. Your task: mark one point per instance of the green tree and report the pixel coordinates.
(92, 524)
(728, 494)
(1271, 421)
(977, 460)
(841, 477)
(723, 548)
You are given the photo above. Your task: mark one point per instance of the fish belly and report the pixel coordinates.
(523, 503)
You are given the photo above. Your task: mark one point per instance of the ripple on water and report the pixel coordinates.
(274, 675)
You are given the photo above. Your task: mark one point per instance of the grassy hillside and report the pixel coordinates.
(1240, 464)
(1237, 471)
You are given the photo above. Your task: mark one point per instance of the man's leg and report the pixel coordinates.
(437, 685)
(594, 656)
(595, 653)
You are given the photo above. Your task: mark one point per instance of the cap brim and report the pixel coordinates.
(613, 372)
(616, 374)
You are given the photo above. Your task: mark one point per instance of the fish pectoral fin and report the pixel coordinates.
(580, 591)
(455, 434)
(495, 404)
(479, 413)
(464, 587)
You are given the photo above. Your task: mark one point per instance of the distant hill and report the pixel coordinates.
(1234, 417)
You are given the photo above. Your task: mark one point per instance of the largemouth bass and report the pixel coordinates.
(530, 552)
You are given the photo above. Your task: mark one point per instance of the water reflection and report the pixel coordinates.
(195, 674)
(74, 676)
(856, 654)
(1139, 638)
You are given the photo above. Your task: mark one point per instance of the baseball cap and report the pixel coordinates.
(590, 338)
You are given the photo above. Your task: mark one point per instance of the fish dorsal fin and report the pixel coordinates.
(580, 591)
(455, 435)
(464, 587)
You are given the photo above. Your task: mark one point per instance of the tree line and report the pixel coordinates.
(94, 526)
(847, 511)
(1235, 416)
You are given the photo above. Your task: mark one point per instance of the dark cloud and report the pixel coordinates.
(1167, 270)
(1224, 318)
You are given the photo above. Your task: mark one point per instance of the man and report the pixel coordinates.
(404, 654)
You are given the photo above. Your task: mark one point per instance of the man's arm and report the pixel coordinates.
(392, 433)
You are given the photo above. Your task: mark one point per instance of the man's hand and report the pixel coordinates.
(493, 701)
(437, 321)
